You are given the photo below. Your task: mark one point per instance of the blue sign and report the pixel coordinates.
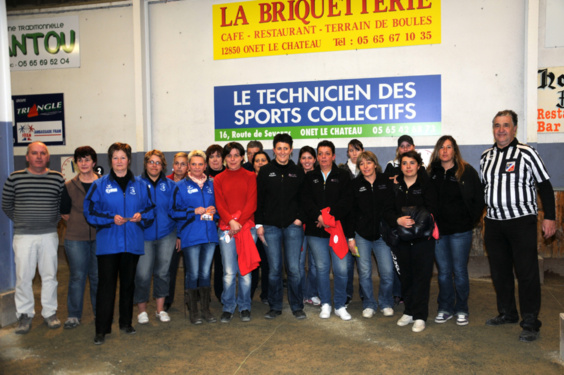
(370, 107)
(39, 118)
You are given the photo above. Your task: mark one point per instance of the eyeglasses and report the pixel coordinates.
(152, 162)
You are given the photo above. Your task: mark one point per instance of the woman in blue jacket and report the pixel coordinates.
(120, 207)
(193, 206)
(160, 240)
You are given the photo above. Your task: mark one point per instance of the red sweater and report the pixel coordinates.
(236, 191)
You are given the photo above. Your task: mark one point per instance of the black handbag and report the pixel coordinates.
(423, 227)
(389, 234)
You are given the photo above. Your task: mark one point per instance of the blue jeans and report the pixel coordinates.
(292, 236)
(383, 256)
(230, 298)
(198, 265)
(155, 262)
(309, 282)
(350, 276)
(82, 263)
(451, 254)
(324, 256)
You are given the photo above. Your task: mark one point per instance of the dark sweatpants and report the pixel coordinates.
(415, 260)
(513, 244)
(110, 267)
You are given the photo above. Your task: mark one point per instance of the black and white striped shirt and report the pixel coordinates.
(31, 201)
(509, 176)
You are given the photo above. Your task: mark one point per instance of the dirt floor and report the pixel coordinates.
(288, 346)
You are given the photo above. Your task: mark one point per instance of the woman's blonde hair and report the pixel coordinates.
(199, 153)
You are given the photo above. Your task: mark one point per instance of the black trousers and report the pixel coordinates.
(512, 244)
(415, 260)
(263, 267)
(173, 270)
(110, 267)
(217, 273)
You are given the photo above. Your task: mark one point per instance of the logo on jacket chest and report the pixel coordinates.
(510, 166)
(191, 190)
(110, 189)
(162, 186)
(272, 174)
(362, 189)
(132, 190)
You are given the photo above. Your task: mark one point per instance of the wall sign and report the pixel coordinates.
(268, 27)
(39, 118)
(44, 43)
(550, 112)
(370, 107)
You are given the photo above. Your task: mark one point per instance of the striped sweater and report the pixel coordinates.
(32, 201)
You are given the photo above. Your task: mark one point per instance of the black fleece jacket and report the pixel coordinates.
(367, 204)
(319, 194)
(279, 189)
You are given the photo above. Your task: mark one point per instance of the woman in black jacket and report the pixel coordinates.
(461, 203)
(415, 256)
(371, 195)
(279, 219)
(325, 188)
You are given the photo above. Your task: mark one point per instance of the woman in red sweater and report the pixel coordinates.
(236, 203)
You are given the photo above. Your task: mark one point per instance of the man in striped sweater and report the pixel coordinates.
(31, 200)
(512, 173)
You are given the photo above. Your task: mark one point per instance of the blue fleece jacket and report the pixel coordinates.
(161, 194)
(104, 200)
(188, 196)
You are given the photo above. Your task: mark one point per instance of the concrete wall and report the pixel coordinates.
(482, 61)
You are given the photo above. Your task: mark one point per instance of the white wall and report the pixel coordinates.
(549, 57)
(99, 96)
(481, 60)
(477, 79)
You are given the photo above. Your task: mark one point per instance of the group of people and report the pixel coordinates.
(282, 218)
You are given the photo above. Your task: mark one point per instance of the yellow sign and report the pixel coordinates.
(268, 28)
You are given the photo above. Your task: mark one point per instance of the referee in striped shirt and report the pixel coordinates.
(511, 173)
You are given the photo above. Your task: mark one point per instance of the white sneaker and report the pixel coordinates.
(163, 317)
(462, 319)
(405, 320)
(316, 301)
(368, 313)
(343, 313)
(325, 311)
(388, 311)
(143, 318)
(418, 326)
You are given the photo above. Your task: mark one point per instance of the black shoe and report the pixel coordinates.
(166, 306)
(226, 317)
(299, 314)
(99, 339)
(501, 319)
(271, 314)
(528, 335)
(129, 330)
(245, 316)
